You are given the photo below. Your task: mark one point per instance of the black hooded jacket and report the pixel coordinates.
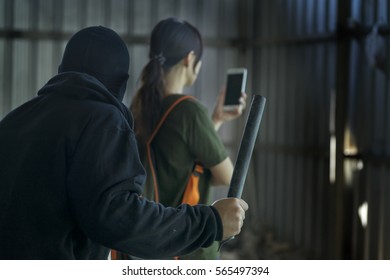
(71, 180)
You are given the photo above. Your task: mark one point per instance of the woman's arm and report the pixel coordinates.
(222, 172)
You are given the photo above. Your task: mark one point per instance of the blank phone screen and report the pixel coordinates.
(233, 89)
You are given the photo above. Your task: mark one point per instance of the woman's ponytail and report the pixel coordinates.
(147, 102)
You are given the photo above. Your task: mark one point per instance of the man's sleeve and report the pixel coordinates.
(104, 182)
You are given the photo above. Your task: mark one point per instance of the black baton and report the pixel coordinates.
(245, 151)
(246, 147)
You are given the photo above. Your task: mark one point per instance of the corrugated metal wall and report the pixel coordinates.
(294, 58)
(369, 144)
(324, 144)
(303, 57)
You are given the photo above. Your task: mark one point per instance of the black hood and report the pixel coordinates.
(99, 52)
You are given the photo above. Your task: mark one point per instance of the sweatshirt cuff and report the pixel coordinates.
(219, 234)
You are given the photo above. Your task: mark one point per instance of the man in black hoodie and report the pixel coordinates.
(70, 175)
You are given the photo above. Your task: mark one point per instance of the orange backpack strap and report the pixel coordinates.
(149, 143)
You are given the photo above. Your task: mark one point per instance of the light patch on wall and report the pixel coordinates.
(350, 147)
(363, 214)
(332, 140)
(332, 159)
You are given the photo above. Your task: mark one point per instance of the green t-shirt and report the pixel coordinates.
(186, 136)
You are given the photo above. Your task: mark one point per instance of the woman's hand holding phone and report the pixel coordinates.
(221, 115)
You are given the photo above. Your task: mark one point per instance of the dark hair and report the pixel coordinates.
(171, 40)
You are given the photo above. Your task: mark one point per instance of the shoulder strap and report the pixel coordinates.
(148, 144)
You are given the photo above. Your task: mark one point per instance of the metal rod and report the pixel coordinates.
(246, 147)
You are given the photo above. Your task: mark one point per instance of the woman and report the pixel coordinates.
(187, 135)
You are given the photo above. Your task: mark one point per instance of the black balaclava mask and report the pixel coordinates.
(101, 53)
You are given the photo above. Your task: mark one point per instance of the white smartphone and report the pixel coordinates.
(235, 85)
